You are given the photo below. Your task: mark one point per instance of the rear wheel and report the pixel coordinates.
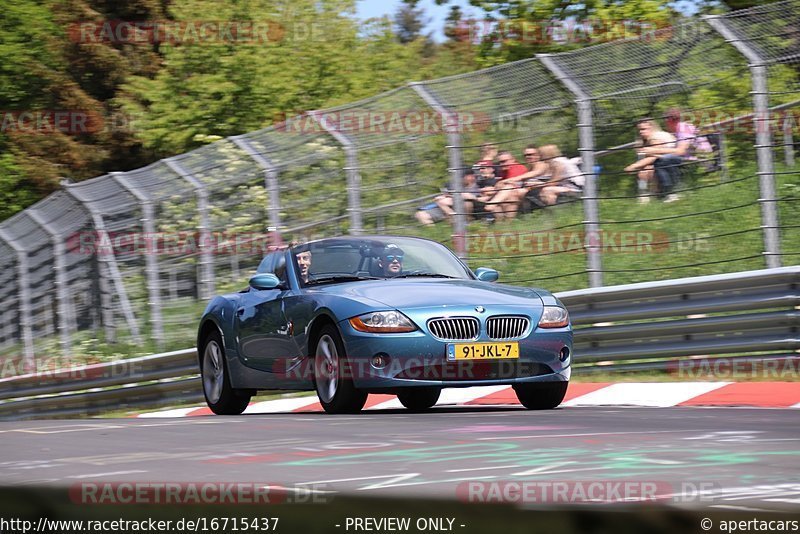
(419, 399)
(541, 395)
(333, 376)
(220, 395)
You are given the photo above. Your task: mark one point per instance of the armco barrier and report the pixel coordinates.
(615, 328)
(674, 318)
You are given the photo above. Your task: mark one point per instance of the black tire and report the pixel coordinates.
(333, 379)
(419, 399)
(541, 395)
(220, 396)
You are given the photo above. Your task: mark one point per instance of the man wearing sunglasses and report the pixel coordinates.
(391, 260)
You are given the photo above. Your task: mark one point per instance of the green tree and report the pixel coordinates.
(518, 29)
(321, 57)
(409, 21)
(45, 68)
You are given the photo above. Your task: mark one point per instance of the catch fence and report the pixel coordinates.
(127, 259)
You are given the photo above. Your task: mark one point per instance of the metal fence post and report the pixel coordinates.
(206, 271)
(270, 179)
(586, 138)
(788, 140)
(352, 170)
(150, 259)
(24, 302)
(456, 165)
(764, 146)
(106, 258)
(62, 293)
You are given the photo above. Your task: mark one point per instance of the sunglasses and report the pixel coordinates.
(531, 154)
(392, 257)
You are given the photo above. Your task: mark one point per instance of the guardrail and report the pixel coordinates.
(159, 379)
(751, 315)
(674, 318)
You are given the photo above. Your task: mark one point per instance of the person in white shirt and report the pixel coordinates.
(650, 136)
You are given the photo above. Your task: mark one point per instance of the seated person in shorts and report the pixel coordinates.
(565, 176)
(651, 136)
(504, 201)
(443, 206)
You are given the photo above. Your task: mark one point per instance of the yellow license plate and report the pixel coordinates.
(482, 351)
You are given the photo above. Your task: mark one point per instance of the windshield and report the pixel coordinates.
(357, 258)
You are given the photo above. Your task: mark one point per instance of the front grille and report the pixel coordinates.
(506, 326)
(454, 328)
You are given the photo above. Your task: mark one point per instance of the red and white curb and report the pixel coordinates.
(651, 394)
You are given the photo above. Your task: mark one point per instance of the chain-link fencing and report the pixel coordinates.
(123, 263)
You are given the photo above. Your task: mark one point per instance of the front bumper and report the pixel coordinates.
(417, 359)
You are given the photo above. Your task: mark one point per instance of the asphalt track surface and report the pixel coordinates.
(698, 458)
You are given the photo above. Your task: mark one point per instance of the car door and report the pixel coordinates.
(264, 334)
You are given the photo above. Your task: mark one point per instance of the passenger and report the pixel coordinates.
(391, 260)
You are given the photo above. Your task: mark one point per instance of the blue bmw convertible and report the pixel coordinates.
(349, 316)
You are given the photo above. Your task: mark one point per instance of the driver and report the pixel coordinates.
(304, 264)
(391, 260)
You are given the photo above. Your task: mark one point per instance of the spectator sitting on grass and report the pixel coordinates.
(488, 155)
(485, 181)
(650, 136)
(504, 202)
(442, 206)
(670, 158)
(565, 176)
(470, 194)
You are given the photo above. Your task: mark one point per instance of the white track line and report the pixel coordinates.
(451, 396)
(177, 412)
(659, 394)
(281, 405)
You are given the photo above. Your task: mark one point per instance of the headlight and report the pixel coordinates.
(384, 321)
(554, 317)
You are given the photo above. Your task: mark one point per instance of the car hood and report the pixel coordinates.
(408, 294)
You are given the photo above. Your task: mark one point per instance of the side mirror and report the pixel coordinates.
(486, 274)
(264, 281)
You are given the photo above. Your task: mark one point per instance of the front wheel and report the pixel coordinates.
(419, 399)
(220, 395)
(541, 395)
(333, 376)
